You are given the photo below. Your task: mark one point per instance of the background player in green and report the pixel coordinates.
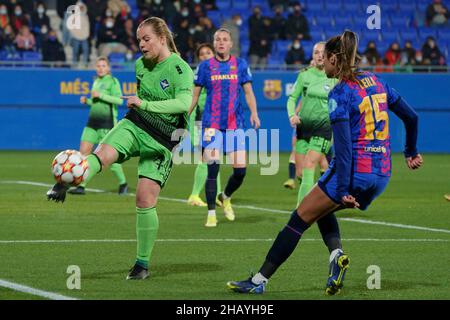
(204, 51)
(105, 97)
(164, 95)
(314, 140)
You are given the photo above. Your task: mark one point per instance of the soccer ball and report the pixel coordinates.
(70, 167)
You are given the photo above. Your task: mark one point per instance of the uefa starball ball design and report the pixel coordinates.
(70, 167)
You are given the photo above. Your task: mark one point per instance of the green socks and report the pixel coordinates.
(116, 168)
(200, 175)
(146, 230)
(307, 184)
(94, 167)
(199, 178)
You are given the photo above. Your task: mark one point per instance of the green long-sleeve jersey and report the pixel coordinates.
(103, 112)
(312, 86)
(165, 89)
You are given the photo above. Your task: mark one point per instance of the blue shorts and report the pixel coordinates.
(365, 187)
(223, 140)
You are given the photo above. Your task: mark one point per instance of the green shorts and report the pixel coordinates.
(129, 140)
(317, 144)
(92, 135)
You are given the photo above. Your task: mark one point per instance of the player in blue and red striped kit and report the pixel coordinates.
(358, 107)
(224, 77)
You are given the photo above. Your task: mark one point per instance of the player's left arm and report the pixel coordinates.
(410, 120)
(114, 97)
(340, 124)
(182, 82)
(245, 80)
(251, 102)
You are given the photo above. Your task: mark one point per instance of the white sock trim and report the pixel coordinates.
(259, 278)
(211, 213)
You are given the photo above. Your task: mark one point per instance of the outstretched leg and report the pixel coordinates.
(315, 205)
(103, 156)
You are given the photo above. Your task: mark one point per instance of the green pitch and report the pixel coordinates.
(193, 262)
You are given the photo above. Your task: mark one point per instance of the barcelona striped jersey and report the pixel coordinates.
(364, 103)
(223, 82)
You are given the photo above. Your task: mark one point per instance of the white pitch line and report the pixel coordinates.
(35, 292)
(363, 221)
(212, 240)
(398, 225)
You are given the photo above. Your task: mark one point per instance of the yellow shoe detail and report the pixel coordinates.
(211, 221)
(196, 201)
(289, 184)
(228, 209)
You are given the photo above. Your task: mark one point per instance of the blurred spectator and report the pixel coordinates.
(297, 25)
(392, 57)
(145, 4)
(110, 38)
(261, 45)
(431, 55)
(197, 12)
(41, 35)
(371, 56)
(18, 19)
(129, 38)
(296, 54)
(208, 29)
(95, 9)
(255, 23)
(119, 7)
(198, 35)
(158, 9)
(28, 6)
(210, 4)
(25, 40)
(437, 14)
(39, 18)
(284, 4)
(143, 14)
(7, 41)
(409, 54)
(279, 24)
(183, 39)
(234, 25)
(52, 49)
(4, 18)
(79, 36)
(183, 14)
(62, 5)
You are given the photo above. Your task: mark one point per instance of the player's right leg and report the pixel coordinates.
(89, 138)
(212, 158)
(104, 156)
(315, 205)
(117, 146)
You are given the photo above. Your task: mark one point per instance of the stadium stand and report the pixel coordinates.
(401, 21)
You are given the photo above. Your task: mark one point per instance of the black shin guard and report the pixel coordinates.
(329, 229)
(235, 181)
(211, 185)
(284, 244)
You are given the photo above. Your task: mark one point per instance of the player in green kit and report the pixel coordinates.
(313, 122)
(105, 97)
(204, 51)
(148, 131)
